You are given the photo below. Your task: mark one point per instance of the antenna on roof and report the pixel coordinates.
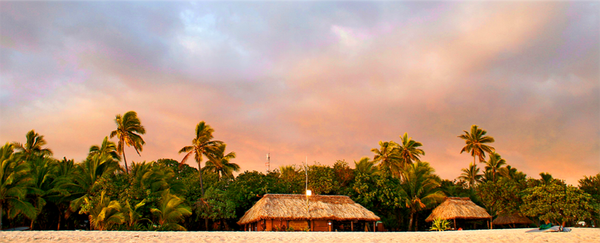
(268, 164)
(306, 172)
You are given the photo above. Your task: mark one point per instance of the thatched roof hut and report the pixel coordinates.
(294, 207)
(511, 219)
(458, 208)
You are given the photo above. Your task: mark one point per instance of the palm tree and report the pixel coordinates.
(512, 173)
(420, 189)
(409, 150)
(471, 175)
(219, 163)
(108, 147)
(150, 179)
(129, 131)
(103, 212)
(65, 172)
(476, 143)
(494, 164)
(171, 211)
(132, 214)
(365, 166)
(546, 178)
(201, 145)
(86, 181)
(14, 182)
(33, 146)
(388, 157)
(42, 172)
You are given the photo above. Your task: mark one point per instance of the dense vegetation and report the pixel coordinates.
(42, 192)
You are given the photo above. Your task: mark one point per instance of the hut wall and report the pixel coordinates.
(320, 225)
(278, 225)
(262, 225)
(299, 225)
(269, 225)
(380, 227)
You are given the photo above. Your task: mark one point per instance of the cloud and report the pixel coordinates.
(323, 80)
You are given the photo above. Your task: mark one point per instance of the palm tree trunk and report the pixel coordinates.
(410, 221)
(202, 191)
(125, 160)
(59, 218)
(200, 173)
(416, 222)
(1, 215)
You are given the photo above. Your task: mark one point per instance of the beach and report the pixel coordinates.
(498, 235)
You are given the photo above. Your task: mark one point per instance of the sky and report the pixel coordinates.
(316, 81)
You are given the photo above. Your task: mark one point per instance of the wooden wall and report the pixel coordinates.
(299, 225)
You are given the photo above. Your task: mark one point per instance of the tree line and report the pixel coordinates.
(41, 192)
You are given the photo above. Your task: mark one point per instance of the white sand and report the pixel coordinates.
(506, 235)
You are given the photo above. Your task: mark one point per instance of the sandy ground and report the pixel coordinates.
(506, 235)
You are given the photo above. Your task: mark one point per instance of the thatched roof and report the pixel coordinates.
(458, 208)
(511, 219)
(293, 207)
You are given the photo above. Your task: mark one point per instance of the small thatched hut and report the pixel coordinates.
(299, 212)
(458, 208)
(511, 219)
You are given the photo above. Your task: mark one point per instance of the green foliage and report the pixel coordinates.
(103, 212)
(454, 188)
(33, 146)
(591, 185)
(512, 173)
(59, 195)
(42, 175)
(181, 170)
(291, 179)
(132, 215)
(14, 181)
(148, 180)
(440, 225)
(557, 203)
(215, 205)
(35, 188)
(379, 194)
(89, 178)
(343, 176)
(320, 179)
(365, 166)
(376, 192)
(502, 196)
(248, 188)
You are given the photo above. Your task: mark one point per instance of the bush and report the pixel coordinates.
(440, 225)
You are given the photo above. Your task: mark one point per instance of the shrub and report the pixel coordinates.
(440, 225)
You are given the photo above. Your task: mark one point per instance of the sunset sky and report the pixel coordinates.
(319, 80)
